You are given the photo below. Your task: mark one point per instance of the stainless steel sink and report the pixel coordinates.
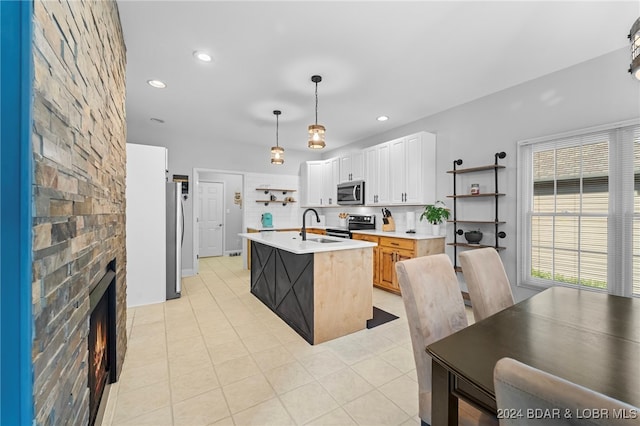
(323, 240)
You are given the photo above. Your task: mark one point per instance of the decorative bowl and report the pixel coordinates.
(473, 237)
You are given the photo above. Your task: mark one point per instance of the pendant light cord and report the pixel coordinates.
(277, 122)
(316, 103)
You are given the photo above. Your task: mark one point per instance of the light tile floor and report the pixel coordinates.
(218, 356)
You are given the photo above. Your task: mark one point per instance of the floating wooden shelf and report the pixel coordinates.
(491, 222)
(267, 190)
(475, 246)
(485, 194)
(476, 169)
(267, 202)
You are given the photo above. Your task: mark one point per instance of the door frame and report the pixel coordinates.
(16, 83)
(196, 208)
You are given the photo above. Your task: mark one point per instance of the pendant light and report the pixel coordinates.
(316, 131)
(277, 152)
(634, 39)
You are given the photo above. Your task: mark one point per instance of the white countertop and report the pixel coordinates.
(398, 234)
(292, 242)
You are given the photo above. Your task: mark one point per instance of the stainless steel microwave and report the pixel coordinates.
(351, 193)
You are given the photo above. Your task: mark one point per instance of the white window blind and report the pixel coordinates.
(579, 210)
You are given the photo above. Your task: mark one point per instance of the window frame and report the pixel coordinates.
(620, 212)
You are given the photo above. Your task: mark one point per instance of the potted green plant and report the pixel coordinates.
(435, 214)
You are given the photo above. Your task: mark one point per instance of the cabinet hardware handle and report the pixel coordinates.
(395, 244)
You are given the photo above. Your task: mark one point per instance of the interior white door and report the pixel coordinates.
(211, 219)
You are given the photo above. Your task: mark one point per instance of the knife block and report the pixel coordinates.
(388, 224)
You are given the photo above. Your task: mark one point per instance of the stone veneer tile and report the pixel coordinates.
(79, 155)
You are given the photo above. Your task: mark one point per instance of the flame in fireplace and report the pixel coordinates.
(99, 356)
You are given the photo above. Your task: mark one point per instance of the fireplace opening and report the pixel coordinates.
(102, 339)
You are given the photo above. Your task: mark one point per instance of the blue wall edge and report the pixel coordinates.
(16, 391)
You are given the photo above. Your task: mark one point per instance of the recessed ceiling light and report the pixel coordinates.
(157, 84)
(382, 118)
(157, 120)
(202, 56)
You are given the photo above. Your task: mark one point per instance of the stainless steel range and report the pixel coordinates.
(354, 222)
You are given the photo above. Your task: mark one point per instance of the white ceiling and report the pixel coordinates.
(407, 60)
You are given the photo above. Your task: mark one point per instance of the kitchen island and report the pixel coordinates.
(320, 287)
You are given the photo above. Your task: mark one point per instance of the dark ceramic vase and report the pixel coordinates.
(473, 237)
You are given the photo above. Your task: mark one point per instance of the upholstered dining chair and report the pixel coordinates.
(487, 282)
(435, 309)
(521, 388)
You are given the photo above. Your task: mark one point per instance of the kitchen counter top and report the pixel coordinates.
(272, 228)
(292, 242)
(398, 234)
(289, 228)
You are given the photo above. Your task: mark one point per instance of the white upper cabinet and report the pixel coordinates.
(311, 183)
(402, 171)
(330, 177)
(352, 166)
(376, 176)
(413, 169)
(318, 182)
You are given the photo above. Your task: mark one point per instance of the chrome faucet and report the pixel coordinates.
(303, 232)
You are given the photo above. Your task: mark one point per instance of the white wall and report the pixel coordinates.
(146, 225)
(596, 92)
(287, 215)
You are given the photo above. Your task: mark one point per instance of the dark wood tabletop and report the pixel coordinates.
(589, 338)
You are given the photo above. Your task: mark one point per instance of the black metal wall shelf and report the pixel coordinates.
(273, 199)
(496, 194)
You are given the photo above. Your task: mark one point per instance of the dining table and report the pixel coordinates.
(587, 337)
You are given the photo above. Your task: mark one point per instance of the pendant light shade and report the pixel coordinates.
(634, 39)
(277, 152)
(316, 131)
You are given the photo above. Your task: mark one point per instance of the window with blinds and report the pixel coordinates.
(580, 210)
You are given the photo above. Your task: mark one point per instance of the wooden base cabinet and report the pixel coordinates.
(391, 250)
(388, 259)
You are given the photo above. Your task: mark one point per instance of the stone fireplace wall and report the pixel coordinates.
(78, 141)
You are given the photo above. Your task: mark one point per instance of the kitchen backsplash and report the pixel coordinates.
(399, 214)
(287, 215)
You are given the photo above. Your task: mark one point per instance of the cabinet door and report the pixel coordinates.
(330, 169)
(384, 178)
(387, 267)
(400, 256)
(413, 169)
(345, 168)
(352, 167)
(421, 168)
(397, 172)
(388, 259)
(371, 175)
(357, 165)
(314, 183)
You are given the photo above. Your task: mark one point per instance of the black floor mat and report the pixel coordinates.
(380, 317)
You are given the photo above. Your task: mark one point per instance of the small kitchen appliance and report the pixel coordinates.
(354, 223)
(411, 222)
(388, 224)
(351, 193)
(267, 220)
